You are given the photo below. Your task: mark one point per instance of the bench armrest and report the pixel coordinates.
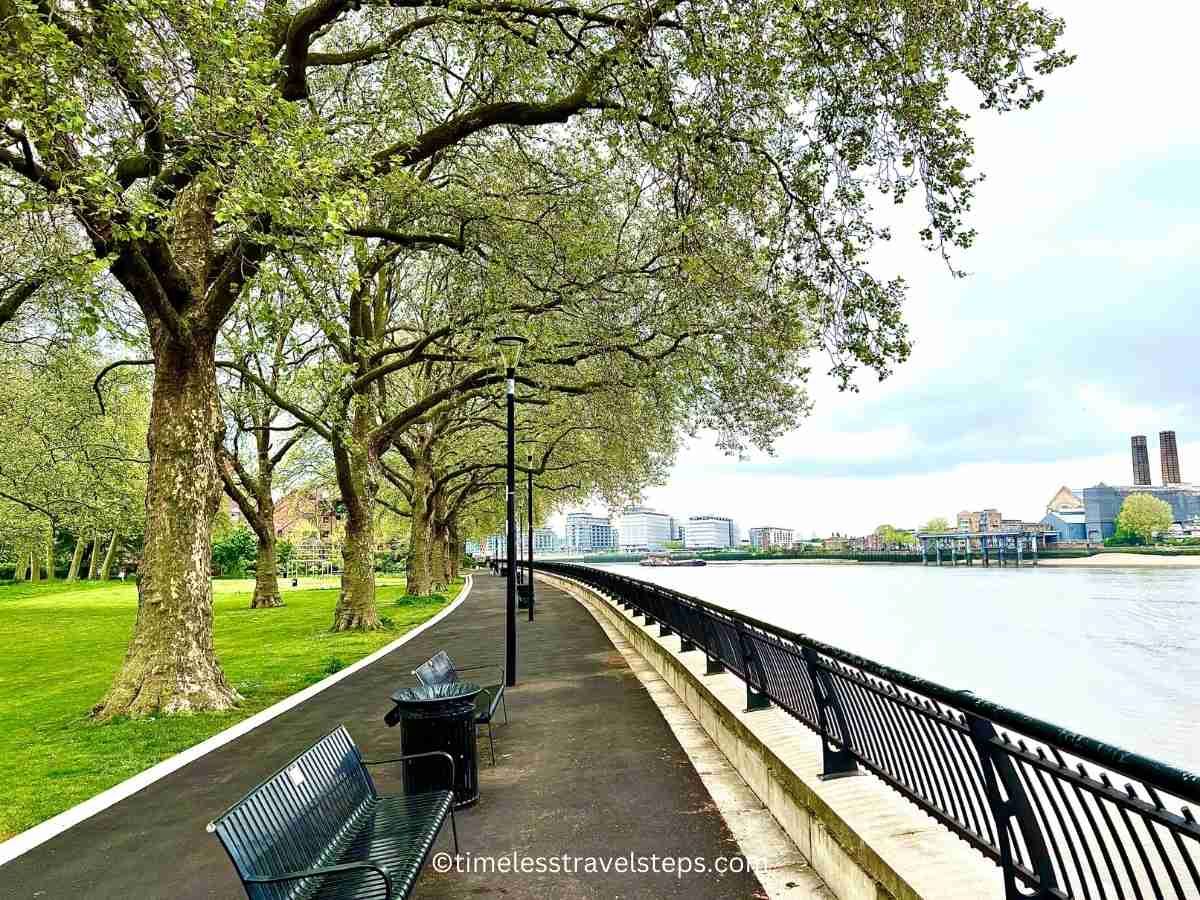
(399, 759)
(339, 869)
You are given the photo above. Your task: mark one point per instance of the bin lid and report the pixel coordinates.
(423, 694)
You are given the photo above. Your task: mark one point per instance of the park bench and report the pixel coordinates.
(440, 669)
(318, 829)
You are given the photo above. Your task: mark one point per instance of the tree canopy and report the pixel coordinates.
(674, 201)
(1144, 516)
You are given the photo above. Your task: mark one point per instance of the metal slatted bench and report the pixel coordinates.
(440, 669)
(319, 830)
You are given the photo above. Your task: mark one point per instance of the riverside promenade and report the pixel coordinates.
(587, 767)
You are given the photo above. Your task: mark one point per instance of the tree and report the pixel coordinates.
(170, 148)
(1145, 516)
(262, 337)
(74, 466)
(937, 524)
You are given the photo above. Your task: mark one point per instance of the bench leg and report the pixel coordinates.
(504, 703)
(492, 741)
(454, 829)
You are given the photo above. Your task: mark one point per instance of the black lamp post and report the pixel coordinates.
(510, 348)
(529, 471)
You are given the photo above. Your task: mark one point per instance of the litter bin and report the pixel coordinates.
(439, 717)
(524, 596)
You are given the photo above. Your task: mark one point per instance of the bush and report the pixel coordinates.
(1123, 538)
(234, 552)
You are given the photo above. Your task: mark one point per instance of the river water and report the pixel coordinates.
(1112, 653)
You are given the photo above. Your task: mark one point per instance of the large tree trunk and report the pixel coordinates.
(109, 556)
(266, 578)
(454, 556)
(170, 665)
(94, 562)
(76, 559)
(35, 566)
(437, 558)
(419, 581)
(356, 610)
(50, 552)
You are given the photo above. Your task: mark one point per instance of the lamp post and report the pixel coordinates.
(510, 349)
(529, 471)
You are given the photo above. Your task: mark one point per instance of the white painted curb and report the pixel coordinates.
(39, 834)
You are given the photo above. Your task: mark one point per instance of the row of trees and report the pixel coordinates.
(71, 473)
(325, 211)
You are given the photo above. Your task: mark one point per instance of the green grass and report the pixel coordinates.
(62, 643)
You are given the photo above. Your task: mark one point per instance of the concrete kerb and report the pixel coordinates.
(39, 834)
(863, 839)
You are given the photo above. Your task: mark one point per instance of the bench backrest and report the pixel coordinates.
(439, 669)
(292, 820)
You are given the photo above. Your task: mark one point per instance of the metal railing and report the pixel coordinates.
(1063, 815)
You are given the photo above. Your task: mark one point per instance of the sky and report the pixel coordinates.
(1077, 326)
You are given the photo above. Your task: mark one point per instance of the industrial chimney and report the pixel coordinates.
(1170, 457)
(1141, 460)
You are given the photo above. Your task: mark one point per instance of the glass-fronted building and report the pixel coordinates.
(642, 528)
(586, 533)
(711, 533)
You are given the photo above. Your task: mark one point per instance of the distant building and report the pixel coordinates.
(1066, 516)
(983, 520)
(307, 511)
(1141, 459)
(642, 528)
(835, 543)
(496, 546)
(587, 533)
(869, 543)
(473, 548)
(1103, 502)
(544, 541)
(768, 537)
(711, 533)
(1169, 455)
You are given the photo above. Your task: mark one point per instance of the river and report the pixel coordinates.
(1112, 653)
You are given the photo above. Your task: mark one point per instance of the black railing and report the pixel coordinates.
(1064, 815)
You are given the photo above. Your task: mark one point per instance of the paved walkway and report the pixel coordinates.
(587, 768)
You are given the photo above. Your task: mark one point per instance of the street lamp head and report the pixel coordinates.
(510, 346)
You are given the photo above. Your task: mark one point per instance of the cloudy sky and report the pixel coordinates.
(1078, 325)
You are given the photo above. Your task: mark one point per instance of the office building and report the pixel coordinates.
(711, 533)
(642, 528)
(767, 537)
(1141, 459)
(1169, 454)
(544, 541)
(587, 533)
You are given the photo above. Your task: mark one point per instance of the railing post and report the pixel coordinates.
(712, 647)
(755, 699)
(999, 772)
(685, 644)
(837, 762)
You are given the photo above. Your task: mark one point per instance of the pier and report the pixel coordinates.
(1002, 548)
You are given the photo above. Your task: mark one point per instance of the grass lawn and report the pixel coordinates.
(60, 645)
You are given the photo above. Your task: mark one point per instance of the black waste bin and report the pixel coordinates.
(439, 717)
(524, 596)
